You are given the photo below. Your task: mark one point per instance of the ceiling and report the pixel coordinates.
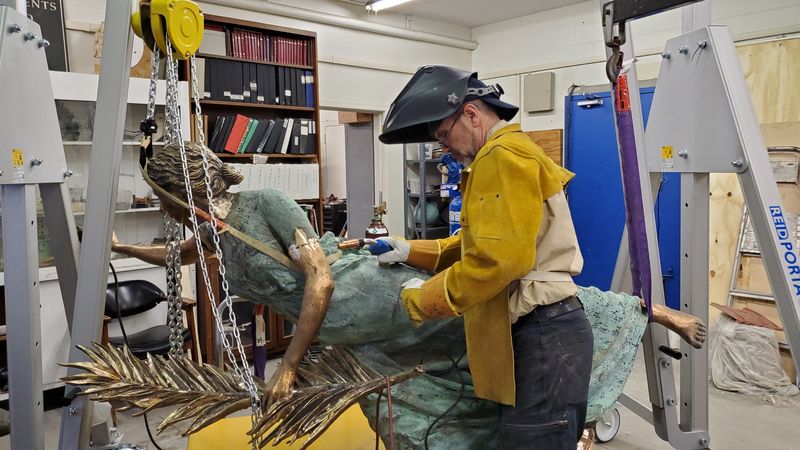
(474, 13)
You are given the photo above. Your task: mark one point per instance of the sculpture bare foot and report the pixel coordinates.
(587, 439)
(688, 327)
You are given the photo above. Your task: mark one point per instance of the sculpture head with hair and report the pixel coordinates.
(165, 172)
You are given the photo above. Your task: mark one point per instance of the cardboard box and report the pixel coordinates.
(354, 117)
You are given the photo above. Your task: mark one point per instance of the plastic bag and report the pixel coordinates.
(745, 359)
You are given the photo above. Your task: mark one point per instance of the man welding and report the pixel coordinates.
(509, 271)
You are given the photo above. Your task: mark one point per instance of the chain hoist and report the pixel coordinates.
(153, 25)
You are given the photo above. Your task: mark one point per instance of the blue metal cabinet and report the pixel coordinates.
(595, 194)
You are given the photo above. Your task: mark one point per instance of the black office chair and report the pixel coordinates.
(136, 297)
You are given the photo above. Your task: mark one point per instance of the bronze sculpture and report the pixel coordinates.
(355, 303)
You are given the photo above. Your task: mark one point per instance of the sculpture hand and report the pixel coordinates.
(280, 385)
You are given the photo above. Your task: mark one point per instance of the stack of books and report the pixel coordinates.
(240, 81)
(255, 44)
(241, 134)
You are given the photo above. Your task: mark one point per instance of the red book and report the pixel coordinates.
(249, 53)
(280, 50)
(237, 133)
(237, 39)
(296, 52)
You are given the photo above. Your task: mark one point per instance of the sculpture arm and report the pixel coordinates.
(156, 254)
(316, 297)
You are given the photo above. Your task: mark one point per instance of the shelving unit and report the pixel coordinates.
(218, 27)
(257, 61)
(75, 96)
(420, 172)
(265, 44)
(270, 156)
(222, 103)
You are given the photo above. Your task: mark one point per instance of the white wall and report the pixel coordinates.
(569, 42)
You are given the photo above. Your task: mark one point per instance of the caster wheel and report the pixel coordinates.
(608, 426)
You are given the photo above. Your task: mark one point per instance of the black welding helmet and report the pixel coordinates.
(433, 94)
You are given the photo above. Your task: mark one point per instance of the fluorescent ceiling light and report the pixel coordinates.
(379, 5)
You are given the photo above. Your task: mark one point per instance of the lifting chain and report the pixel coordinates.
(231, 344)
(172, 232)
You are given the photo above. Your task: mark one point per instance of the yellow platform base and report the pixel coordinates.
(350, 432)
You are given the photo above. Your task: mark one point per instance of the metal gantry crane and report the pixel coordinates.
(702, 121)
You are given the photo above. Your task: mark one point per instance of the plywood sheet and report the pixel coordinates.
(781, 134)
(772, 72)
(725, 215)
(551, 142)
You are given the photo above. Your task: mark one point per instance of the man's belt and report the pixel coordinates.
(539, 275)
(545, 312)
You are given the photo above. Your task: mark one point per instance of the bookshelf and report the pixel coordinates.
(257, 80)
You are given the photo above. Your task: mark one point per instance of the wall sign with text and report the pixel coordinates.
(49, 14)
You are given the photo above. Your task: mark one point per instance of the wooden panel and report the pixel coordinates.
(752, 276)
(781, 134)
(772, 71)
(725, 215)
(206, 326)
(551, 142)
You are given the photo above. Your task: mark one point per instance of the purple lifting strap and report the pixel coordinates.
(631, 183)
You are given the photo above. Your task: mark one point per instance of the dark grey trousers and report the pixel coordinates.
(552, 365)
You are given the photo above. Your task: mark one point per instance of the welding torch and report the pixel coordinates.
(376, 247)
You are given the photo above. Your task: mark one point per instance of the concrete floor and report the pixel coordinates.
(737, 422)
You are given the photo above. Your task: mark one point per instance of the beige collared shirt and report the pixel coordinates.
(558, 258)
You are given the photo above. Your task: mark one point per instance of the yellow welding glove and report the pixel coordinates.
(425, 300)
